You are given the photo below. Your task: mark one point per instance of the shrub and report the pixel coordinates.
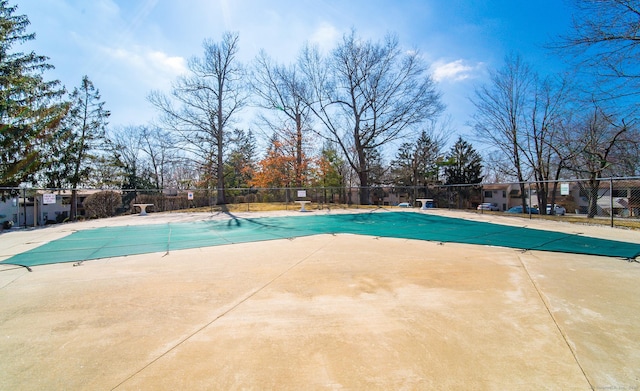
(102, 204)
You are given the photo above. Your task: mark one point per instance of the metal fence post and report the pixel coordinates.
(24, 205)
(611, 199)
(529, 206)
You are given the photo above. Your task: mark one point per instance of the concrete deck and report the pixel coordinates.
(322, 312)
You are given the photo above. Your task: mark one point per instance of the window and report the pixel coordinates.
(488, 194)
(618, 193)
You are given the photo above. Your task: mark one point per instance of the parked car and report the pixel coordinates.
(558, 210)
(404, 205)
(518, 209)
(492, 206)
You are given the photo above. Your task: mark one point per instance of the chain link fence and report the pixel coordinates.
(614, 201)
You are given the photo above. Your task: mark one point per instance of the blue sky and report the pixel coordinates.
(131, 47)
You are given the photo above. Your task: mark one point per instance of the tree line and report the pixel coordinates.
(581, 123)
(328, 118)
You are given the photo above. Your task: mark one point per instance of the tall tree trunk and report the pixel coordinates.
(220, 196)
(594, 184)
(364, 188)
(363, 176)
(73, 213)
(298, 170)
(516, 157)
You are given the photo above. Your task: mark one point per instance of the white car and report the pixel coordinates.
(404, 205)
(558, 210)
(492, 206)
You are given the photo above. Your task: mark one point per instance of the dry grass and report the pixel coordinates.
(580, 219)
(273, 206)
(617, 222)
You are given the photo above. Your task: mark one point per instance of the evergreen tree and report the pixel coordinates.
(239, 167)
(330, 167)
(416, 162)
(465, 164)
(328, 173)
(82, 134)
(30, 107)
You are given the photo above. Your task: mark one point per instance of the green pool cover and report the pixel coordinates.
(139, 239)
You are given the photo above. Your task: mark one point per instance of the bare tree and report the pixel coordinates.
(606, 38)
(367, 94)
(204, 104)
(125, 153)
(600, 142)
(545, 113)
(500, 114)
(285, 91)
(159, 147)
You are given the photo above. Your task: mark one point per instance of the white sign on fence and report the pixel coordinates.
(564, 189)
(48, 198)
(190, 195)
(302, 193)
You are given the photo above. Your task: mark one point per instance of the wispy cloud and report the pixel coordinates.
(325, 36)
(105, 8)
(226, 13)
(129, 48)
(174, 65)
(150, 66)
(457, 70)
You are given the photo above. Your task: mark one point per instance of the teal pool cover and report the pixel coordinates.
(139, 239)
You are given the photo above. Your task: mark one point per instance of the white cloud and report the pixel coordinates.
(325, 36)
(126, 76)
(175, 65)
(152, 67)
(457, 70)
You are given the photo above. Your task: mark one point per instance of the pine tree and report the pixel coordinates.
(81, 135)
(330, 167)
(415, 162)
(465, 164)
(239, 167)
(30, 107)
